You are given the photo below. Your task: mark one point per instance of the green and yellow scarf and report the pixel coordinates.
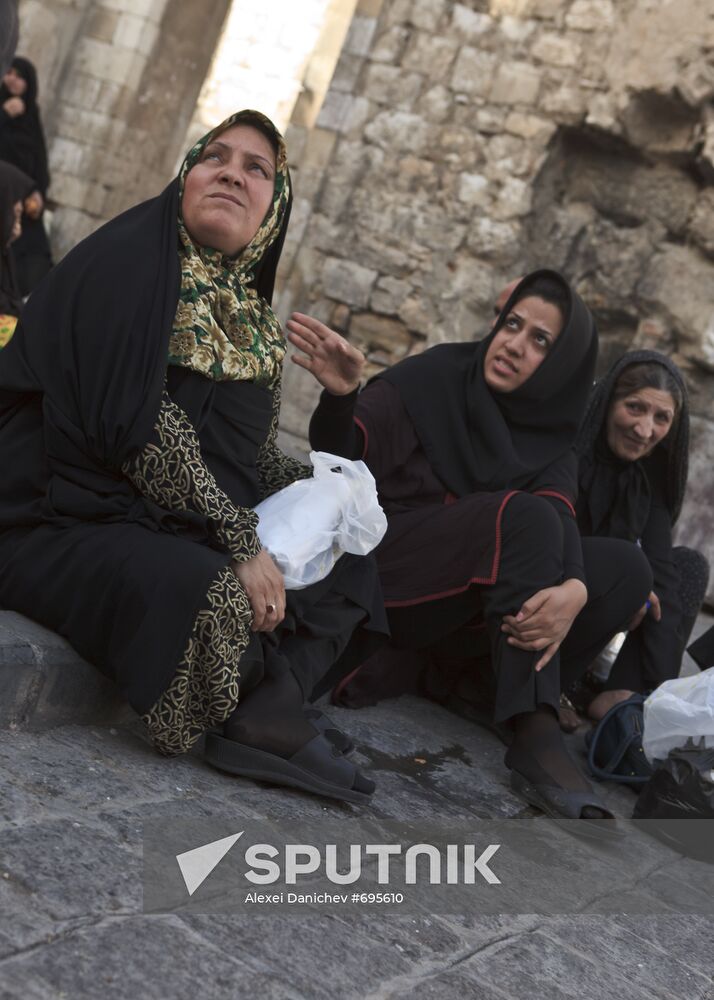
(223, 328)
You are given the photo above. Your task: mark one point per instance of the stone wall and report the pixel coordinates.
(271, 57)
(463, 144)
(119, 82)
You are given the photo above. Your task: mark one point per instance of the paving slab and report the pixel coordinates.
(74, 802)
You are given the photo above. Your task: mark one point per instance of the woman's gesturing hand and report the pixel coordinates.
(334, 362)
(545, 619)
(652, 605)
(263, 583)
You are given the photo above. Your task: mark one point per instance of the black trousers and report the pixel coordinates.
(653, 652)
(618, 579)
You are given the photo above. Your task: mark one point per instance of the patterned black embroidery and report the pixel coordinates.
(170, 471)
(205, 688)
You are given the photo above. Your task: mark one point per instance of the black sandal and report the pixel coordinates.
(326, 726)
(561, 804)
(317, 767)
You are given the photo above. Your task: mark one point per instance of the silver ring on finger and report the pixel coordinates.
(270, 608)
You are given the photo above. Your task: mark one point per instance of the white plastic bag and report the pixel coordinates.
(307, 526)
(679, 710)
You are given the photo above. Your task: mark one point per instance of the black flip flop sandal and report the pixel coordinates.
(326, 726)
(560, 804)
(318, 767)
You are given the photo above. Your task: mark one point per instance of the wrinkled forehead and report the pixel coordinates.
(252, 119)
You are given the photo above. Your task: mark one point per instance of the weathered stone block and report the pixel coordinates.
(390, 45)
(498, 241)
(69, 156)
(696, 523)
(680, 282)
(509, 155)
(389, 294)
(473, 71)
(529, 127)
(417, 176)
(430, 54)
(460, 145)
(148, 39)
(151, 9)
(470, 24)
(696, 83)
(346, 281)
(426, 14)
(566, 103)
(547, 9)
(391, 85)
(342, 112)
(102, 24)
(591, 15)
(359, 35)
(474, 189)
(419, 314)
(556, 50)
(346, 74)
(379, 333)
(397, 12)
(516, 29)
(469, 280)
(120, 66)
(436, 104)
(399, 130)
(130, 31)
(515, 83)
(489, 120)
(514, 199)
(602, 113)
(83, 127)
(702, 225)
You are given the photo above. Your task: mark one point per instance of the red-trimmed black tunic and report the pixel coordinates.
(436, 544)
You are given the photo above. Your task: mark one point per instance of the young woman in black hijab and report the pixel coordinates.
(22, 142)
(139, 405)
(633, 456)
(471, 446)
(14, 186)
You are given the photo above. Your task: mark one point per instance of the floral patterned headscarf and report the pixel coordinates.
(223, 328)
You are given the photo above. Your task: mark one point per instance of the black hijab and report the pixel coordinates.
(22, 139)
(480, 440)
(14, 187)
(93, 340)
(615, 495)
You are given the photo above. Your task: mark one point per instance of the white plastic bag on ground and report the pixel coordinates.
(308, 525)
(679, 710)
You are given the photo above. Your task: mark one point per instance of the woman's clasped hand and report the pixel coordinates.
(545, 619)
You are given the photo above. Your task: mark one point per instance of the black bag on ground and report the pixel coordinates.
(678, 800)
(681, 787)
(615, 745)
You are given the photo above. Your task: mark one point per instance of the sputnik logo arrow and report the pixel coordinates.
(196, 865)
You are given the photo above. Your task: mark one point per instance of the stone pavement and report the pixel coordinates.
(73, 799)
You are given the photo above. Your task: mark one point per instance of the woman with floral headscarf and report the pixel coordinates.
(139, 407)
